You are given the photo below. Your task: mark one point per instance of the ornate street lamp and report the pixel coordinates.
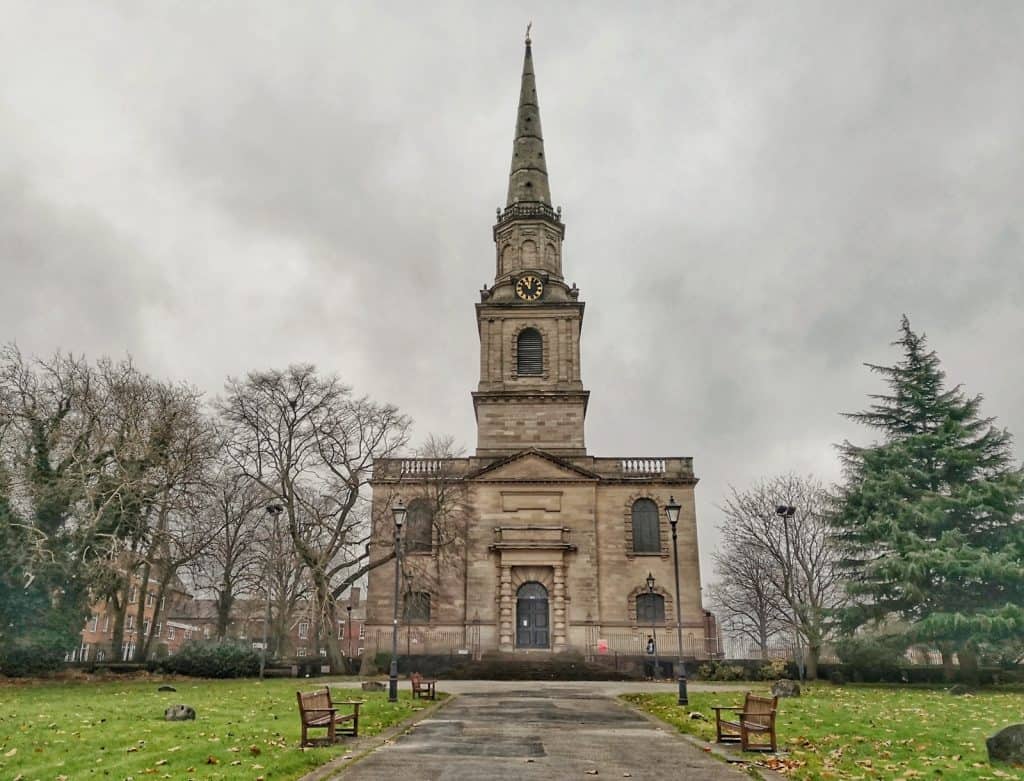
(273, 510)
(786, 513)
(654, 630)
(672, 511)
(399, 511)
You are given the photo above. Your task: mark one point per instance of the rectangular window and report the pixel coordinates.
(188, 634)
(303, 630)
(150, 599)
(159, 627)
(341, 632)
(302, 650)
(206, 632)
(133, 594)
(94, 623)
(163, 603)
(145, 627)
(83, 652)
(124, 651)
(323, 652)
(170, 632)
(106, 622)
(362, 633)
(129, 623)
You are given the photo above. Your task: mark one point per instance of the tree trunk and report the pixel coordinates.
(948, 669)
(969, 672)
(140, 615)
(225, 600)
(811, 656)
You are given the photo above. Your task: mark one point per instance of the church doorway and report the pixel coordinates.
(532, 616)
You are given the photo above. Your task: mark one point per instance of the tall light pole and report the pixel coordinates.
(654, 629)
(273, 510)
(786, 513)
(348, 628)
(672, 511)
(399, 511)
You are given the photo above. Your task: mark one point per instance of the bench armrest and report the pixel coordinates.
(319, 710)
(726, 707)
(350, 702)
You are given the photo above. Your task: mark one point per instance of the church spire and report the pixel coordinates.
(528, 177)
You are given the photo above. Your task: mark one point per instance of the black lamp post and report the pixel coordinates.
(273, 510)
(399, 511)
(672, 511)
(348, 630)
(654, 618)
(786, 513)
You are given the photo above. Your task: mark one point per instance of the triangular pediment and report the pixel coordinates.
(532, 465)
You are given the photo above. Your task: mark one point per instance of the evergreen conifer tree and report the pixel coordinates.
(931, 517)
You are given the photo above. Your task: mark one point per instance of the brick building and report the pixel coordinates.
(558, 543)
(169, 633)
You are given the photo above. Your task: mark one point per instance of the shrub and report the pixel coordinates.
(773, 670)
(873, 657)
(214, 660)
(23, 659)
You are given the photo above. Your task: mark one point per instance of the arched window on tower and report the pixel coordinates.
(646, 531)
(419, 527)
(529, 353)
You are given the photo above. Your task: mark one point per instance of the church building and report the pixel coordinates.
(532, 544)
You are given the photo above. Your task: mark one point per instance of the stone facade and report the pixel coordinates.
(534, 544)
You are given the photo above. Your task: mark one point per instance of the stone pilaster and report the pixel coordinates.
(506, 611)
(559, 641)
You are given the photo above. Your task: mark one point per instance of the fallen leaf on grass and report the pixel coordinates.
(11, 753)
(212, 760)
(161, 762)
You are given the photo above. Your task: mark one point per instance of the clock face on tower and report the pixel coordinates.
(529, 288)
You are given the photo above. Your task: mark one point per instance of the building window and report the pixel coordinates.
(150, 599)
(650, 609)
(159, 626)
(302, 650)
(145, 627)
(646, 531)
(419, 527)
(303, 630)
(341, 631)
(206, 632)
(416, 607)
(94, 623)
(129, 623)
(529, 353)
(101, 655)
(323, 652)
(106, 622)
(170, 632)
(133, 594)
(163, 602)
(362, 635)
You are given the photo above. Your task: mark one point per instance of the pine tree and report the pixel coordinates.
(932, 517)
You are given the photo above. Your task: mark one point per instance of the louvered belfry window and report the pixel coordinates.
(646, 534)
(530, 353)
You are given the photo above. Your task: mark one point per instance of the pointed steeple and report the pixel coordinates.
(528, 177)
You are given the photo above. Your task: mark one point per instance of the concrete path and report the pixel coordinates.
(526, 730)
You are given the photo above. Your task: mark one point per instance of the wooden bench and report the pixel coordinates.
(317, 710)
(755, 717)
(421, 687)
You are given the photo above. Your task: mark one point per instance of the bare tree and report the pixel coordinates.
(439, 513)
(745, 596)
(310, 444)
(801, 559)
(229, 567)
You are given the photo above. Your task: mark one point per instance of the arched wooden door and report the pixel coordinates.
(532, 616)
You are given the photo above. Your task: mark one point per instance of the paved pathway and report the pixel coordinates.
(520, 730)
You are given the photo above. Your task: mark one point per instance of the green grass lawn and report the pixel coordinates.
(869, 732)
(244, 729)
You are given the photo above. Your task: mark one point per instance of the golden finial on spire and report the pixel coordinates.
(528, 26)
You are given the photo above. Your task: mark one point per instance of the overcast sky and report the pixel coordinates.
(753, 194)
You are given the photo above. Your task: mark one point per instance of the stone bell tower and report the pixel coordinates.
(529, 320)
